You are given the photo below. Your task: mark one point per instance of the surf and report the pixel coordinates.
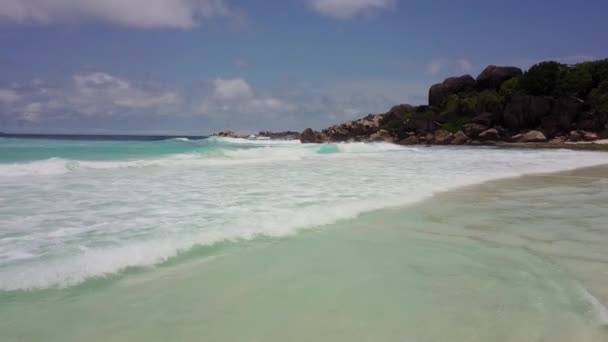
(121, 212)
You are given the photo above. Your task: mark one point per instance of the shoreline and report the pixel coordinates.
(598, 145)
(587, 146)
(579, 176)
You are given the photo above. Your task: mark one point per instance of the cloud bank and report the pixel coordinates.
(92, 100)
(349, 8)
(181, 14)
(236, 96)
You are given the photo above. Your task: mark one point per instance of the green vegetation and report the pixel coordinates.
(561, 80)
(582, 91)
(490, 101)
(599, 97)
(454, 125)
(392, 124)
(541, 79)
(510, 88)
(574, 81)
(584, 81)
(471, 103)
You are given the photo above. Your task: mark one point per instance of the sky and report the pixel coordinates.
(199, 66)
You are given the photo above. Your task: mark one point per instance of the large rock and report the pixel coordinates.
(360, 129)
(411, 140)
(309, 136)
(532, 137)
(286, 135)
(460, 138)
(558, 140)
(401, 110)
(492, 77)
(489, 135)
(382, 135)
(442, 137)
(589, 136)
(592, 121)
(564, 114)
(453, 85)
(228, 134)
(525, 111)
(486, 119)
(420, 123)
(473, 130)
(575, 136)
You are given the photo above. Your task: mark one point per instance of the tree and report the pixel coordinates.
(510, 88)
(574, 80)
(599, 98)
(541, 79)
(598, 70)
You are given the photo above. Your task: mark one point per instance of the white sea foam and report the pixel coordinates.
(599, 311)
(372, 147)
(241, 141)
(110, 215)
(262, 152)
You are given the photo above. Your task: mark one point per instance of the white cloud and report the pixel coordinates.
(328, 103)
(8, 96)
(349, 8)
(237, 96)
(435, 67)
(93, 100)
(232, 89)
(135, 13)
(464, 65)
(98, 92)
(451, 67)
(89, 94)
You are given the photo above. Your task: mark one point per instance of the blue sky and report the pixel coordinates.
(197, 66)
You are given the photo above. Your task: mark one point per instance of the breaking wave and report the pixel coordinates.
(144, 211)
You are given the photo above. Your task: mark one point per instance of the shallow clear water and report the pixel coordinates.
(231, 240)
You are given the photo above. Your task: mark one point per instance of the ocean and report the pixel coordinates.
(220, 239)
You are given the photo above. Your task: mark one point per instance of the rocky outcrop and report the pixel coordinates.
(489, 135)
(309, 136)
(490, 110)
(420, 123)
(228, 134)
(474, 129)
(530, 137)
(575, 136)
(525, 111)
(589, 136)
(492, 77)
(411, 140)
(442, 137)
(593, 122)
(381, 136)
(486, 119)
(358, 130)
(460, 138)
(439, 93)
(562, 117)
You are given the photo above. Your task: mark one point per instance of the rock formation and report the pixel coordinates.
(440, 92)
(492, 77)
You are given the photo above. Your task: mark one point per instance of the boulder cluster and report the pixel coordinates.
(550, 102)
(286, 135)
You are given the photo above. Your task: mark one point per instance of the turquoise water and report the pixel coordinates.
(231, 240)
